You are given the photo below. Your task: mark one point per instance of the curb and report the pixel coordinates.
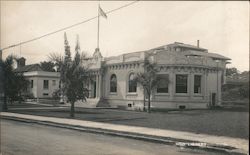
(156, 139)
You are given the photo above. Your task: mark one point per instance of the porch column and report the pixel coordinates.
(100, 86)
(97, 85)
(219, 87)
(90, 89)
(205, 95)
(172, 84)
(191, 85)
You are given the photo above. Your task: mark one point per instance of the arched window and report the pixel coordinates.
(113, 83)
(132, 85)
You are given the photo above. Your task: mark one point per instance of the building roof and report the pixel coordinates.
(212, 55)
(41, 74)
(178, 44)
(29, 68)
(188, 46)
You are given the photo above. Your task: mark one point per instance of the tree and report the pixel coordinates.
(148, 79)
(232, 71)
(244, 90)
(13, 83)
(16, 88)
(73, 75)
(58, 60)
(47, 66)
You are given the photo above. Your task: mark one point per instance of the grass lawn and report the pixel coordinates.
(214, 122)
(23, 105)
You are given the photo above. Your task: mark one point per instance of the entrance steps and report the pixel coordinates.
(103, 103)
(92, 103)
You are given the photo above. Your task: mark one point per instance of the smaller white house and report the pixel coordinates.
(42, 84)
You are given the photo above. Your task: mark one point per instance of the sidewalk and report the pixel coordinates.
(235, 145)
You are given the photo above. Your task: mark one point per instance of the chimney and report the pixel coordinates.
(21, 62)
(198, 43)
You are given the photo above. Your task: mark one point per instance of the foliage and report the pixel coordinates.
(237, 86)
(15, 88)
(47, 66)
(232, 71)
(72, 75)
(148, 79)
(13, 83)
(28, 95)
(244, 90)
(57, 60)
(74, 80)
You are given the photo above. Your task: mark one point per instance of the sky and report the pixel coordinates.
(221, 26)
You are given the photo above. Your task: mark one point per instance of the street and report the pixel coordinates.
(19, 138)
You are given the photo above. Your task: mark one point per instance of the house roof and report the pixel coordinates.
(212, 55)
(178, 44)
(188, 46)
(29, 68)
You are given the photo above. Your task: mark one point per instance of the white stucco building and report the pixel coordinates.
(190, 77)
(195, 77)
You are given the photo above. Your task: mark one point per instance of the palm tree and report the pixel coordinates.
(148, 79)
(74, 82)
(73, 75)
(59, 64)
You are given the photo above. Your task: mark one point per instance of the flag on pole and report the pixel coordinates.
(102, 13)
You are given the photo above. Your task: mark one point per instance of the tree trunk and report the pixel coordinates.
(149, 103)
(144, 101)
(5, 107)
(19, 98)
(72, 110)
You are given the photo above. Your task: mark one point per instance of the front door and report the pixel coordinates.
(92, 90)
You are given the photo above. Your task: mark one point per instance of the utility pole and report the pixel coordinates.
(1, 52)
(98, 26)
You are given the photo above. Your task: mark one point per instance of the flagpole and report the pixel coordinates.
(98, 26)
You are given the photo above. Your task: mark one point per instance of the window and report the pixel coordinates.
(113, 83)
(132, 85)
(45, 84)
(53, 82)
(178, 49)
(31, 83)
(197, 84)
(181, 83)
(162, 86)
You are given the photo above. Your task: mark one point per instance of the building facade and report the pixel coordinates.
(190, 77)
(42, 84)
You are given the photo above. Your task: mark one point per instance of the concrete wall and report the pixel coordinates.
(189, 99)
(165, 100)
(41, 91)
(212, 79)
(122, 97)
(188, 59)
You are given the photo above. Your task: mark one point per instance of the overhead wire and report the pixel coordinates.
(68, 27)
